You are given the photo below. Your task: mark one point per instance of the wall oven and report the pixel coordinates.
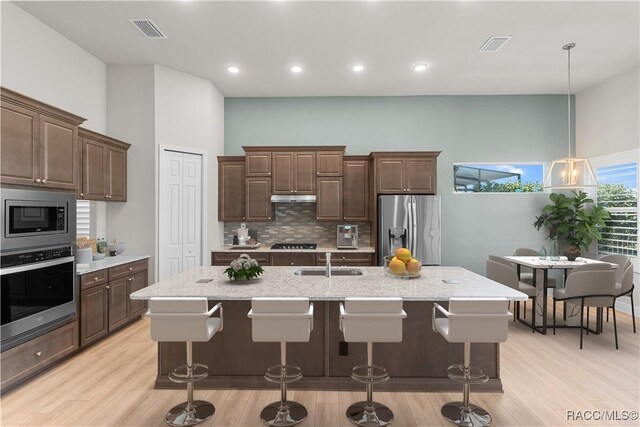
(35, 219)
(37, 291)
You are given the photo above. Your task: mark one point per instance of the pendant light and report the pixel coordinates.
(570, 172)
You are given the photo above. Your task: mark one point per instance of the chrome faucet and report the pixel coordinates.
(328, 270)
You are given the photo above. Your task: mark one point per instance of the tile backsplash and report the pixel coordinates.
(296, 222)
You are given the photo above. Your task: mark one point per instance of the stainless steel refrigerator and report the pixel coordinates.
(412, 222)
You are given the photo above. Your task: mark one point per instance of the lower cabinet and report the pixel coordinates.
(104, 299)
(341, 259)
(26, 360)
(338, 259)
(293, 258)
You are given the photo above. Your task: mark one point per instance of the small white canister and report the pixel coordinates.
(84, 255)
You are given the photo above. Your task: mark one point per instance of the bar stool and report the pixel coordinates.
(282, 320)
(470, 320)
(185, 320)
(371, 320)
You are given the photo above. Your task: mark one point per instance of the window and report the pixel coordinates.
(618, 193)
(83, 218)
(497, 177)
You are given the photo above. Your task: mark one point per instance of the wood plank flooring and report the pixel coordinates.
(111, 384)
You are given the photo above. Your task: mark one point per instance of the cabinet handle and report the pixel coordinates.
(130, 279)
(107, 287)
(38, 353)
(130, 268)
(81, 194)
(38, 180)
(242, 217)
(344, 258)
(44, 180)
(269, 217)
(95, 279)
(292, 191)
(269, 173)
(291, 263)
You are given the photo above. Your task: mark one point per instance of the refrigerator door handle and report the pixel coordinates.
(411, 225)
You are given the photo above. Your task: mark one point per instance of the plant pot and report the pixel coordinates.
(572, 253)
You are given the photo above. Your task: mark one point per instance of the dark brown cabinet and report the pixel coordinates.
(292, 258)
(258, 199)
(398, 173)
(329, 199)
(225, 258)
(329, 163)
(294, 173)
(355, 194)
(342, 259)
(105, 303)
(39, 144)
(258, 163)
(104, 167)
(231, 188)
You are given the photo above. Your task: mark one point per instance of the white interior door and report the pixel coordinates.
(180, 217)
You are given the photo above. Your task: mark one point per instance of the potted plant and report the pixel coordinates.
(244, 268)
(568, 218)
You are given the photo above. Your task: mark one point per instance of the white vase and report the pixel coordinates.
(84, 256)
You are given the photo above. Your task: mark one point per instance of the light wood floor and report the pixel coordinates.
(544, 376)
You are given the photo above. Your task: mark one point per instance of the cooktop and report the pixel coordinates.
(294, 246)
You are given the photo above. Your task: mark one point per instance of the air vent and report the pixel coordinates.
(148, 28)
(494, 44)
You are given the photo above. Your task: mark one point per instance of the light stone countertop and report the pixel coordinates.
(320, 249)
(108, 262)
(282, 282)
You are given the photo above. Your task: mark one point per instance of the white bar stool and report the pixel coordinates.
(282, 320)
(470, 320)
(371, 320)
(185, 320)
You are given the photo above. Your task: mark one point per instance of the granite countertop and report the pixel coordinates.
(319, 249)
(282, 282)
(108, 262)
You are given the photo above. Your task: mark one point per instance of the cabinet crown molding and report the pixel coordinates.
(433, 154)
(293, 148)
(16, 98)
(82, 132)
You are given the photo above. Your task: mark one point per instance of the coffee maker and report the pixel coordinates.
(347, 237)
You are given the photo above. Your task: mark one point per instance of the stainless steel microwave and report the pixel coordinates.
(36, 219)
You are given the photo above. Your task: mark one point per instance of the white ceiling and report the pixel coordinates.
(326, 38)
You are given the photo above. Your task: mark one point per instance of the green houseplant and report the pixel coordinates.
(244, 268)
(569, 218)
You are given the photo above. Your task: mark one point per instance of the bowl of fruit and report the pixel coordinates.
(402, 265)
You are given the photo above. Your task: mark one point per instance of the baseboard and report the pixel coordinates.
(624, 305)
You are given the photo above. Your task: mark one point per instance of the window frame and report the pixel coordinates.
(545, 168)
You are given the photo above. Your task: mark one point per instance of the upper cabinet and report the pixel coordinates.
(258, 163)
(329, 163)
(294, 173)
(355, 206)
(104, 167)
(231, 188)
(39, 144)
(409, 172)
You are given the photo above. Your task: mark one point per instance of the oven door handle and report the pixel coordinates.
(35, 265)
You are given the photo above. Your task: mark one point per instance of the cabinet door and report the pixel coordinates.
(329, 199)
(231, 190)
(283, 176)
(94, 161)
(94, 309)
(390, 175)
(329, 163)
(59, 160)
(293, 259)
(305, 173)
(258, 164)
(420, 176)
(258, 199)
(136, 282)
(118, 303)
(116, 174)
(19, 148)
(355, 200)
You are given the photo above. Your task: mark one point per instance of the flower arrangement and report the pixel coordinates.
(244, 268)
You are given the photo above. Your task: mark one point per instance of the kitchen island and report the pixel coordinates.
(418, 363)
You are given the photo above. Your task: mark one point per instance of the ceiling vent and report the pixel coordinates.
(148, 28)
(494, 44)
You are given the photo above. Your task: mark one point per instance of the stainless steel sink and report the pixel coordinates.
(334, 272)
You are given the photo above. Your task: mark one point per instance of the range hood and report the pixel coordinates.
(285, 198)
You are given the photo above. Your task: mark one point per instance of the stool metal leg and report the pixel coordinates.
(464, 413)
(283, 413)
(369, 413)
(191, 412)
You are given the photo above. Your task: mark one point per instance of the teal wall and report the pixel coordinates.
(511, 128)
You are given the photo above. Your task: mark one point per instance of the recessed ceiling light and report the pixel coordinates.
(233, 70)
(296, 69)
(420, 67)
(357, 68)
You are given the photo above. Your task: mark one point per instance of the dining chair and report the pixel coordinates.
(526, 273)
(623, 262)
(589, 285)
(501, 270)
(625, 288)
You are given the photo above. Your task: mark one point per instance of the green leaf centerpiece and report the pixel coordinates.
(244, 268)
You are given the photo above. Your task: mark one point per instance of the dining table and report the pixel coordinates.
(541, 267)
